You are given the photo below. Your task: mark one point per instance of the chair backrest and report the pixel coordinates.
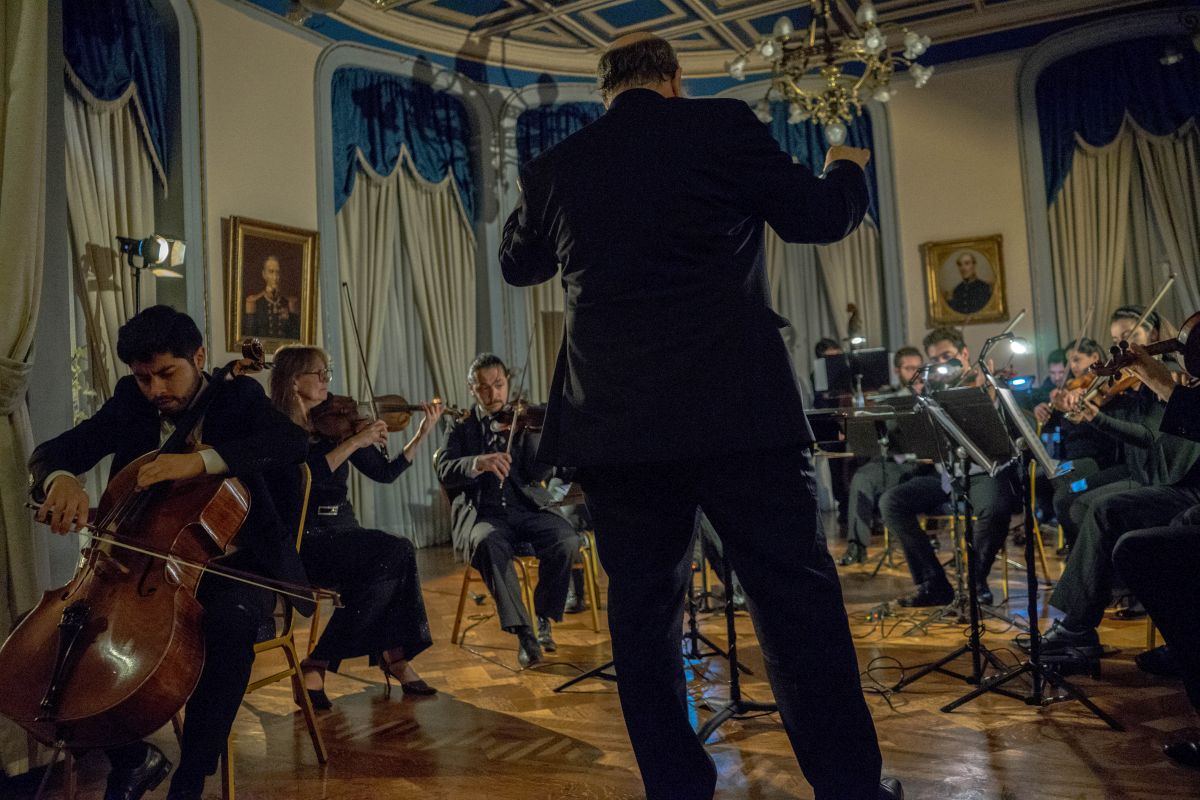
(289, 621)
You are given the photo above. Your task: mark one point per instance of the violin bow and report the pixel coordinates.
(362, 357)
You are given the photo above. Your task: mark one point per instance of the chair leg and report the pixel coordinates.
(526, 590)
(1041, 549)
(70, 777)
(462, 604)
(310, 716)
(228, 792)
(590, 592)
(1151, 634)
(1004, 560)
(314, 629)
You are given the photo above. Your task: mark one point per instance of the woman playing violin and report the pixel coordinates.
(384, 615)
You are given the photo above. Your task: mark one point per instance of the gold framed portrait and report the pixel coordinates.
(964, 281)
(270, 283)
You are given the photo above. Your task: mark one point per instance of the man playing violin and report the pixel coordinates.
(248, 439)
(499, 505)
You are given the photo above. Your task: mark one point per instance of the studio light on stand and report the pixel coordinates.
(1017, 346)
(158, 254)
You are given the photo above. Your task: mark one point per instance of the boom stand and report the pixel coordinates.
(1033, 666)
(974, 644)
(736, 706)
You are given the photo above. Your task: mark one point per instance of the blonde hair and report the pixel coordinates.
(291, 361)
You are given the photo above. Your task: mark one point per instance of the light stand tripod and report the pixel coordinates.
(990, 455)
(1033, 667)
(736, 707)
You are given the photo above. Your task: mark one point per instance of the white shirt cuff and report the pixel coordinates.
(474, 472)
(50, 478)
(213, 463)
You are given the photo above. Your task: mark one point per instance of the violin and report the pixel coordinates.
(111, 656)
(1184, 342)
(520, 416)
(339, 417)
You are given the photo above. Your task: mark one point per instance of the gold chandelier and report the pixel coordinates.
(828, 47)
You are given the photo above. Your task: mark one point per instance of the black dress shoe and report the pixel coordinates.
(855, 554)
(1061, 641)
(419, 688)
(320, 701)
(543, 636)
(890, 789)
(529, 652)
(925, 597)
(1186, 752)
(131, 784)
(1135, 610)
(1159, 661)
(985, 596)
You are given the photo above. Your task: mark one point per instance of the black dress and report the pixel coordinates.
(375, 572)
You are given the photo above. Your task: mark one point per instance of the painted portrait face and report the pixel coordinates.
(270, 273)
(966, 266)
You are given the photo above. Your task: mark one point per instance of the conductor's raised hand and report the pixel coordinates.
(844, 152)
(65, 508)
(498, 464)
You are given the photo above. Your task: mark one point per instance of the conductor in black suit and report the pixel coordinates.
(655, 213)
(249, 440)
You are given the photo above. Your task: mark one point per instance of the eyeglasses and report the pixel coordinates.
(323, 375)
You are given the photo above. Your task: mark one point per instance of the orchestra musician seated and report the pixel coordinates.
(881, 473)
(993, 502)
(383, 614)
(249, 440)
(498, 504)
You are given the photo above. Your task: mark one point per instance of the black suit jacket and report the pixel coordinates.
(656, 212)
(260, 445)
(455, 459)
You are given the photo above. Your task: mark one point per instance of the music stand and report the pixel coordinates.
(1032, 449)
(977, 435)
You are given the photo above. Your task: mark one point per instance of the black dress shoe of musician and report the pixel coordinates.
(1159, 661)
(529, 652)
(131, 784)
(890, 789)
(985, 596)
(1186, 752)
(927, 596)
(855, 554)
(544, 637)
(1063, 641)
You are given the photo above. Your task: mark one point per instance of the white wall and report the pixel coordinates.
(259, 150)
(958, 175)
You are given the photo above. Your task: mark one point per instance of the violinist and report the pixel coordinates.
(383, 614)
(993, 502)
(1169, 486)
(499, 504)
(248, 439)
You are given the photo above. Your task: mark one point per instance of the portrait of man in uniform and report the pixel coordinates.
(271, 279)
(965, 281)
(270, 313)
(972, 293)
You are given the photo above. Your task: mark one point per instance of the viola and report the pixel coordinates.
(111, 656)
(339, 417)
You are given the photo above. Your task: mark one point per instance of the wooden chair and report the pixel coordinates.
(284, 641)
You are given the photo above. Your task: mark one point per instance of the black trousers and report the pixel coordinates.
(376, 575)
(1161, 566)
(233, 613)
(869, 483)
(1070, 508)
(495, 538)
(1085, 589)
(763, 506)
(993, 502)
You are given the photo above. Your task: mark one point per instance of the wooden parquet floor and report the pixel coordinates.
(496, 732)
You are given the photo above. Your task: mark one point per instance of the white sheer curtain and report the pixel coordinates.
(545, 307)
(23, 83)
(395, 234)
(798, 293)
(1170, 167)
(110, 193)
(851, 271)
(1089, 226)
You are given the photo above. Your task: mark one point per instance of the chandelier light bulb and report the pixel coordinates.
(915, 45)
(768, 48)
(920, 74)
(796, 114)
(866, 14)
(783, 28)
(763, 112)
(835, 133)
(874, 40)
(883, 93)
(737, 68)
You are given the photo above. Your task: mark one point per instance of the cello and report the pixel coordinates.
(111, 656)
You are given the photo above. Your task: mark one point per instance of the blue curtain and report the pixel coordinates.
(378, 113)
(112, 43)
(1089, 93)
(805, 141)
(539, 129)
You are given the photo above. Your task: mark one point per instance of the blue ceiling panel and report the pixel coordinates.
(473, 8)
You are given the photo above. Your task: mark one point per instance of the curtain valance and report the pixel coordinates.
(1089, 94)
(380, 114)
(540, 128)
(805, 141)
(110, 44)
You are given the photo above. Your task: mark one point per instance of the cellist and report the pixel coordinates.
(248, 439)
